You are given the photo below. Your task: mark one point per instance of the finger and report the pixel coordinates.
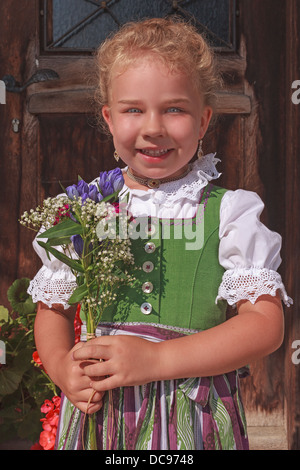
(93, 396)
(97, 371)
(91, 351)
(89, 408)
(104, 385)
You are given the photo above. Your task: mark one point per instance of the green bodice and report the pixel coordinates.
(178, 271)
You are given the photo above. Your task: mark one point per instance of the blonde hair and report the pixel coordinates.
(174, 41)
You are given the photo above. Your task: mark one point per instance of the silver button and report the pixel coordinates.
(148, 266)
(147, 287)
(150, 247)
(146, 308)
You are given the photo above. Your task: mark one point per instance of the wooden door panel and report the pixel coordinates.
(255, 137)
(70, 145)
(17, 150)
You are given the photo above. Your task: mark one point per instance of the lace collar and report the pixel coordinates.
(189, 187)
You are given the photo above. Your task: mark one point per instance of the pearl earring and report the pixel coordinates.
(200, 151)
(116, 156)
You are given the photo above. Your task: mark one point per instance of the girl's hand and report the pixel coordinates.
(127, 361)
(76, 385)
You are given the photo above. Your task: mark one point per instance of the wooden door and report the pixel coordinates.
(58, 138)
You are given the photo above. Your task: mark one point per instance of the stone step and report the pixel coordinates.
(267, 438)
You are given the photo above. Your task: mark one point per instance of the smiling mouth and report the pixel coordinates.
(154, 152)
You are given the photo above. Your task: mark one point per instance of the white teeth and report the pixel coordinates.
(154, 153)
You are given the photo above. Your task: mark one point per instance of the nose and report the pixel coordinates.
(153, 125)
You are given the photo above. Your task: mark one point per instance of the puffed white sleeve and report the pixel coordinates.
(54, 282)
(248, 250)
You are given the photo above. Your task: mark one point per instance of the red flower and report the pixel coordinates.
(36, 446)
(116, 206)
(46, 426)
(49, 423)
(52, 418)
(56, 400)
(77, 325)
(47, 440)
(47, 406)
(62, 212)
(37, 360)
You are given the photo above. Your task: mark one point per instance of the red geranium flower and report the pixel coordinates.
(45, 425)
(47, 406)
(47, 440)
(56, 400)
(52, 418)
(37, 360)
(36, 446)
(49, 423)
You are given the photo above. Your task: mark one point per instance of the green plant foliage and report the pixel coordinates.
(23, 385)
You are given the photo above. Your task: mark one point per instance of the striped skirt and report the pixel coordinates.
(204, 413)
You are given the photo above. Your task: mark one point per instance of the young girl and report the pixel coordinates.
(165, 348)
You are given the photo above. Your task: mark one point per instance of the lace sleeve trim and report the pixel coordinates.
(249, 284)
(52, 287)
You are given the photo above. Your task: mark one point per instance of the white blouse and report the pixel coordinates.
(248, 250)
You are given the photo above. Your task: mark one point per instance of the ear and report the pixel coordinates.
(107, 117)
(205, 120)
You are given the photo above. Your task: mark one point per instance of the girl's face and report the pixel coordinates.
(156, 118)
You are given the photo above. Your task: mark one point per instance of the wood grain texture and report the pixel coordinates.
(256, 136)
(17, 39)
(81, 101)
(291, 172)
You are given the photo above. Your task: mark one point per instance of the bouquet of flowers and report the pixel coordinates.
(86, 229)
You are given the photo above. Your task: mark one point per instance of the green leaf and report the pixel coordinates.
(65, 228)
(60, 241)
(4, 314)
(78, 294)
(22, 361)
(18, 297)
(9, 381)
(30, 426)
(73, 264)
(111, 197)
(62, 187)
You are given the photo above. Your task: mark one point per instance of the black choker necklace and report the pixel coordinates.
(155, 183)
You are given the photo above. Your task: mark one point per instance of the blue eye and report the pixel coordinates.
(133, 110)
(173, 109)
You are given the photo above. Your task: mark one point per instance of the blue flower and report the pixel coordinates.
(117, 179)
(93, 193)
(107, 188)
(111, 181)
(77, 243)
(77, 190)
(82, 187)
(83, 190)
(72, 191)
